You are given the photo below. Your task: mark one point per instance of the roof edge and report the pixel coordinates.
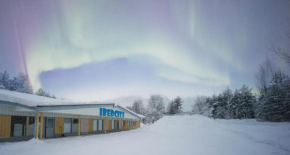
(133, 113)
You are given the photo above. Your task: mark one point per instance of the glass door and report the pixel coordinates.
(49, 127)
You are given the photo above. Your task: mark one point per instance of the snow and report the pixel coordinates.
(30, 99)
(35, 100)
(172, 135)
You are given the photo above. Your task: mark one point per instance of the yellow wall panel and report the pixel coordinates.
(27, 126)
(126, 125)
(91, 123)
(5, 122)
(59, 125)
(110, 124)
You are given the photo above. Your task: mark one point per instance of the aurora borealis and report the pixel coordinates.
(97, 50)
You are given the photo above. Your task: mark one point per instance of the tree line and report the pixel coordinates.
(272, 102)
(21, 83)
(227, 105)
(156, 108)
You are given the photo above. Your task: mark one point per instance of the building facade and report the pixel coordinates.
(24, 116)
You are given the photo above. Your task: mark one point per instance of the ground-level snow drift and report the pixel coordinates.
(172, 135)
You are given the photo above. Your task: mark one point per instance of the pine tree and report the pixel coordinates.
(40, 92)
(275, 105)
(13, 84)
(214, 106)
(23, 84)
(234, 104)
(220, 107)
(247, 100)
(227, 96)
(178, 105)
(209, 107)
(175, 106)
(171, 108)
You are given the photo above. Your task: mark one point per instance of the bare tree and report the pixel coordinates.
(283, 53)
(264, 75)
(199, 104)
(138, 107)
(155, 109)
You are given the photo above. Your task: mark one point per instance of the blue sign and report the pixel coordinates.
(111, 113)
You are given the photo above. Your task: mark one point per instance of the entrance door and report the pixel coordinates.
(49, 127)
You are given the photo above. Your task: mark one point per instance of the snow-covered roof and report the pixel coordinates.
(31, 100)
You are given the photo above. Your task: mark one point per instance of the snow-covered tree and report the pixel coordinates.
(40, 92)
(13, 84)
(214, 105)
(155, 109)
(234, 104)
(5, 80)
(275, 105)
(138, 107)
(246, 102)
(23, 84)
(175, 106)
(199, 105)
(227, 96)
(220, 109)
(228, 105)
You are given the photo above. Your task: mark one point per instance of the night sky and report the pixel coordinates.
(98, 50)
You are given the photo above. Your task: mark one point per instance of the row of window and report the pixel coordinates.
(18, 125)
(129, 123)
(71, 125)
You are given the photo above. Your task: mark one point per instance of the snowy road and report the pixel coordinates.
(172, 135)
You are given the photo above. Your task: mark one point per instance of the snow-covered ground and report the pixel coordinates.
(172, 135)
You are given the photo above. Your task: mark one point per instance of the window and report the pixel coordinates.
(113, 124)
(95, 125)
(100, 125)
(129, 123)
(17, 126)
(75, 125)
(124, 123)
(134, 123)
(67, 125)
(31, 126)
